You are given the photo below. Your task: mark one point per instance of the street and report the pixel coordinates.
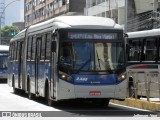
(20, 103)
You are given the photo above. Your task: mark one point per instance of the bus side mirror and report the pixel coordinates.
(53, 46)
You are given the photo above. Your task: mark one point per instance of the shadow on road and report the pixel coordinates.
(84, 108)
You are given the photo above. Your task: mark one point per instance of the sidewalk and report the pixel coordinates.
(138, 103)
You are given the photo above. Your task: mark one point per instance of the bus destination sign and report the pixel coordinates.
(78, 35)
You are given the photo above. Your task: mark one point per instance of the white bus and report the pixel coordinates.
(70, 57)
(3, 62)
(143, 53)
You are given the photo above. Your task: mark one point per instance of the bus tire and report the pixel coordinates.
(15, 90)
(30, 95)
(47, 95)
(131, 89)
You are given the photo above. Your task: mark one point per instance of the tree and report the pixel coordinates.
(9, 31)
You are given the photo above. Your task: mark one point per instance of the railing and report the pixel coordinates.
(144, 84)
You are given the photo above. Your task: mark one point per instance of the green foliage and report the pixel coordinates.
(9, 31)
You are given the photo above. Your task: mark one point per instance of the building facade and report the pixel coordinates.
(20, 25)
(37, 11)
(141, 14)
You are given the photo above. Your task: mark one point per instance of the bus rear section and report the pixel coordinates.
(3, 62)
(143, 63)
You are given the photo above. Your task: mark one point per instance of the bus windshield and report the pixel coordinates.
(3, 60)
(92, 56)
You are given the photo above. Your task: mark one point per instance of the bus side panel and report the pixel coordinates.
(15, 69)
(120, 92)
(65, 90)
(10, 73)
(43, 76)
(31, 74)
(13, 74)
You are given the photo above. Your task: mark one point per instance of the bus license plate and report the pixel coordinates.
(94, 93)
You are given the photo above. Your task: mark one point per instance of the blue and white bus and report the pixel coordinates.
(70, 57)
(3, 62)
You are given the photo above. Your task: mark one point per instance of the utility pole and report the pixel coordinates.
(2, 15)
(154, 15)
(126, 15)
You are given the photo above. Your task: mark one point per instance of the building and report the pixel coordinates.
(114, 9)
(141, 14)
(20, 25)
(40, 10)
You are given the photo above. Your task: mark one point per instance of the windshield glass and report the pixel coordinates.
(3, 60)
(89, 56)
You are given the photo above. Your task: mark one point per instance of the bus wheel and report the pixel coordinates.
(15, 90)
(30, 95)
(48, 100)
(131, 91)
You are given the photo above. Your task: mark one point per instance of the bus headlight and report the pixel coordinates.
(122, 76)
(65, 76)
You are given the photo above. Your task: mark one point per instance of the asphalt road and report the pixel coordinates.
(21, 105)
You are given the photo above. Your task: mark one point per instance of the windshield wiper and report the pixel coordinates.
(83, 65)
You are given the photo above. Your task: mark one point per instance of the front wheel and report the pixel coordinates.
(48, 100)
(30, 95)
(15, 90)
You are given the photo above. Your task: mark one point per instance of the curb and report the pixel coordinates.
(147, 105)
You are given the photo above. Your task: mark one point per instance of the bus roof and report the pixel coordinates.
(146, 33)
(85, 22)
(82, 22)
(4, 48)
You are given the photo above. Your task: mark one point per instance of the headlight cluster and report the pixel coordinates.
(65, 76)
(122, 76)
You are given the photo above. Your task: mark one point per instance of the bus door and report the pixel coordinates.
(20, 46)
(53, 70)
(37, 63)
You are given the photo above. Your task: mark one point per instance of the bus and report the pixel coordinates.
(70, 57)
(3, 62)
(143, 63)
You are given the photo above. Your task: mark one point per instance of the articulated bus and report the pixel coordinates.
(70, 57)
(4, 50)
(143, 53)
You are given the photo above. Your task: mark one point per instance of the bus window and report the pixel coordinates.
(15, 51)
(33, 48)
(29, 48)
(66, 54)
(150, 50)
(48, 46)
(43, 47)
(134, 50)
